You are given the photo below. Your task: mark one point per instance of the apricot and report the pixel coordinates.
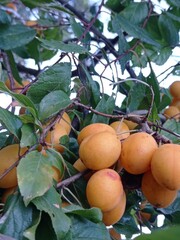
(79, 165)
(100, 150)
(121, 129)
(57, 174)
(93, 129)
(65, 121)
(172, 112)
(156, 194)
(176, 103)
(53, 137)
(104, 189)
(17, 86)
(8, 156)
(31, 23)
(131, 125)
(165, 166)
(114, 234)
(11, 5)
(137, 151)
(7, 192)
(174, 89)
(114, 215)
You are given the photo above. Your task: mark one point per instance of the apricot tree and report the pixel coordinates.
(89, 134)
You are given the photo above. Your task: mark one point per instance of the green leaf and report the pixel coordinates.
(57, 77)
(83, 229)
(30, 233)
(16, 217)
(5, 237)
(168, 30)
(174, 127)
(134, 99)
(79, 31)
(135, 12)
(174, 3)
(105, 105)
(136, 32)
(162, 56)
(52, 103)
(4, 17)
(28, 138)
(13, 65)
(11, 121)
(23, 100)
(93, 214)
(13, 36)
(114, 5)
(50, 203)
(127, 225)
(122, 44)
(172, 232)
(35, 175)
(59, 45)
(153, 82)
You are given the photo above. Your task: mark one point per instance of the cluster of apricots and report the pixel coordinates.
(173, 111)
(11, 153)
(159, 165)
(99, 150)
(103, 147)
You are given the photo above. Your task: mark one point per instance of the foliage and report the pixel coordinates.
(96, 53)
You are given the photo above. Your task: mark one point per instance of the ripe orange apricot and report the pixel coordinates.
(104, 189)
(114, 215)
(17, 87)
(131, 125)
(137, 151)
(7, 192)
(156, 195)
(93, 129)
(176, 103)
(11, 5)
(8, 156)
(174, 89)
(31, 23)
(121, 129)
(79, 165)
(65, 121)
(57, 174)
(114, 234)
(172, 112)
(165, 166)
(100, 150)
(53, 137)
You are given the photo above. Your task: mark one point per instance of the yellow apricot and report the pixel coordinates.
(137, 151)
(131, 125)
(11, 5)
(104, 189)
(93, 129)
(7, 192)
(114, 234)
(100, 150)
(174, 89)
(121, 129)
(165, 166)
(79, 165)
(156, 195)
(53, 137)
(17, 87)
(31, 23)
(114, 215)
(65, 121)
(172, 112)
(176, 103)
(8, 156)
